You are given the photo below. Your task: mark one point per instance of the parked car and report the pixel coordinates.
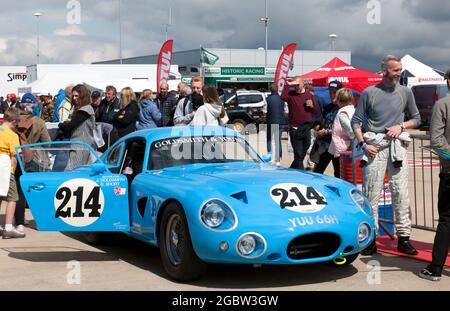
(202, 195)
(426, 96)
(245, 107)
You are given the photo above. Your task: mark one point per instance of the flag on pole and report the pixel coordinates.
(208, 57)
(284, 64)
(164, 63)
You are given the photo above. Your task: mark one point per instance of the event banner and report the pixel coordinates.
(284, 65)
(164, 63)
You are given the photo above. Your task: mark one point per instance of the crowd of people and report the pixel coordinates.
(78, 112)
(320, 132)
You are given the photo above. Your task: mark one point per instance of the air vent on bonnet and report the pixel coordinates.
(334, 189)
(241, 196)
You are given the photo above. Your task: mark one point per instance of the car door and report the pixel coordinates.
(68, 188)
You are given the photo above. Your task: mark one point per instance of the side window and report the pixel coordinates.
(256, 98)
(250, 99)
(114, 156)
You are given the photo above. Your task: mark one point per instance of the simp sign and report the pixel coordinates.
(16, 76)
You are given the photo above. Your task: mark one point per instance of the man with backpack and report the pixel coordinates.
(185, 111)
(378, 122)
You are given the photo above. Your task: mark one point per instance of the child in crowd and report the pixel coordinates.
(342, 133)
(8, 163)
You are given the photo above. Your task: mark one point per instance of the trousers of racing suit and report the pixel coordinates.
(373, 183)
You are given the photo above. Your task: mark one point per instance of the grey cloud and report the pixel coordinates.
(415, 27)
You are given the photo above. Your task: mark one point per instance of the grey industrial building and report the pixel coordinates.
(243, 68)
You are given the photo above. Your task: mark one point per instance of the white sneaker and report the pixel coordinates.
(278, 164)
(20, 228)
(12, 234)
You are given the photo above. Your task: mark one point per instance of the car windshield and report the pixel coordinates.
(179, 151)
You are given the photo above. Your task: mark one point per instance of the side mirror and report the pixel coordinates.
(97, 169)
(267, 157)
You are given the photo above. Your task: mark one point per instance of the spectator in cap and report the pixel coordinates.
(11, 100)
(440, 138)
(48, 107)
(320, 151)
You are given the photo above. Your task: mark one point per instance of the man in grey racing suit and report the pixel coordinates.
(381, 112)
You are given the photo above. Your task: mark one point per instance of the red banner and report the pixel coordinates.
(164, 63)
(284, 64)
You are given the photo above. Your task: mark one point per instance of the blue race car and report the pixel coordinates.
(202, 195)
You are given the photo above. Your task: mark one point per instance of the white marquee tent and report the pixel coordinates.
(415, 72)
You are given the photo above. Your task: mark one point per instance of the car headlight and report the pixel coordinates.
(216, 215)
(251, 245)
(361, 201)
(364, 232)
(247, 245)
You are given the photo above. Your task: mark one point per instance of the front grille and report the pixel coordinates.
(314, 245)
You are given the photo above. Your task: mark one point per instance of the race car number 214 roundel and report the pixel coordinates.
(79, 202)
(298, 198)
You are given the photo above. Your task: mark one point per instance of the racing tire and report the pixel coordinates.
(239, 126)
(177, 253)
(98, 238)
(349, 259)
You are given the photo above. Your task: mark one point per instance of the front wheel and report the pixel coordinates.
(177, 253)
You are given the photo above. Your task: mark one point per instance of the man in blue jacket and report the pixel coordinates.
(276, 122)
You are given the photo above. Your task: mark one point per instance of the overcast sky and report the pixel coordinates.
(417, 27)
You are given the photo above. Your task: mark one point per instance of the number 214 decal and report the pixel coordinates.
(297, 197)
(91, 203)
(79, 202)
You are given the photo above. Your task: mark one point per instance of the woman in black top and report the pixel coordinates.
(125, 119)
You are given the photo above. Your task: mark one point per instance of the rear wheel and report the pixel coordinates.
(177, 253)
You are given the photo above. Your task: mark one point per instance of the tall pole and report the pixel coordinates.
(37, 36)
(265, 19)
(168, 24)
(120, 31)
(267, 38)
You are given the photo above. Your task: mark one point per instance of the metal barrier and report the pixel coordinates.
(423, 184)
